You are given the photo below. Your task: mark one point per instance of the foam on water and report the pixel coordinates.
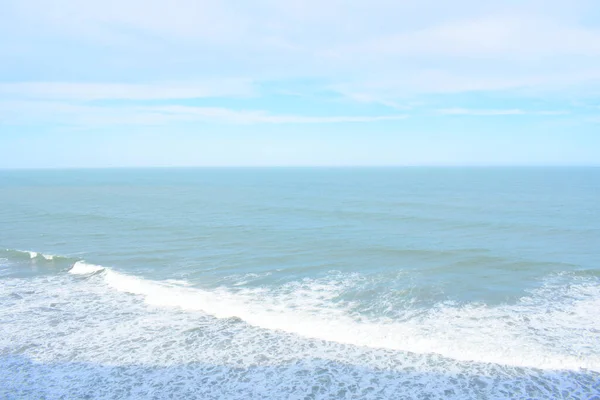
(33, 254)
(557, 327)
(92, 337)
(83, 268)
(177, 282)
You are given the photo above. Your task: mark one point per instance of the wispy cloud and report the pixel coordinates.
(35, 112)
(260, 116)
(178, 65)
(387, 53)
(126, 91)
(487, 36)
(369, 98)
(499, 112)
(406, 46)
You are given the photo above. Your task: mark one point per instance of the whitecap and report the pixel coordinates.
(82, 268)
(532, 333)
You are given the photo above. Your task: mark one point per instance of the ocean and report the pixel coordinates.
(300, 283)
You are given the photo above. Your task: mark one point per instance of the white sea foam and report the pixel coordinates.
(537, 332)
(556, 327)
(177, 282)
(82, 268)
(94, 330)
(246, 278)
(34, 254)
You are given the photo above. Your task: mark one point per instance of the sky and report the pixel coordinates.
(135, 83)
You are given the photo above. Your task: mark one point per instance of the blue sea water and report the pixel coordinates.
(300, 283)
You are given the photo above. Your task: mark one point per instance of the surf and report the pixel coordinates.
(537, 332)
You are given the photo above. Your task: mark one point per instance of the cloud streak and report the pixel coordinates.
(96, 64)
(259, 116)
(496, 113)
(89, 116)
(470, 46)
(496, 37)
(124, 91)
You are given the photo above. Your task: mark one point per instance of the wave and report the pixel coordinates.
(553, 328)
(32, 255)
(83, 268)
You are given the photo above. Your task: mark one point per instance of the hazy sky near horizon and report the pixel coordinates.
(229, 83)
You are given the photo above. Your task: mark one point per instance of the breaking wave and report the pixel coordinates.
(555, 327)
(32, 254)
(284, 340)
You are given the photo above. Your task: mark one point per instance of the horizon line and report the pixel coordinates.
(302, 166)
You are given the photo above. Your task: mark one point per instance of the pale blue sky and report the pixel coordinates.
(267, 82)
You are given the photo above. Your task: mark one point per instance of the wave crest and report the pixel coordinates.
(83, 268)
(537, 332)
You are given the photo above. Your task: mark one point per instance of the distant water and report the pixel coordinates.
(305, 283)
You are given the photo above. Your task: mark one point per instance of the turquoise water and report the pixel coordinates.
(300, 283)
